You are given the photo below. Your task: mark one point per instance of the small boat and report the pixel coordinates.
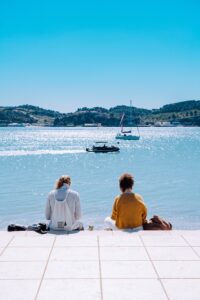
(102, 148)
(127, 135)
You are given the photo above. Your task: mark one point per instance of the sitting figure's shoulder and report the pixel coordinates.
(139, 198)
(51, 193)
(118, 197)
(74, 193)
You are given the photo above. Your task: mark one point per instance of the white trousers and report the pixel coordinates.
(110, 223)
(75, 226)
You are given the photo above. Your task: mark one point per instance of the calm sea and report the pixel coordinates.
(165, 163)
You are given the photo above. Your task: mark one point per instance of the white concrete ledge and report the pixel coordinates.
(102, 265)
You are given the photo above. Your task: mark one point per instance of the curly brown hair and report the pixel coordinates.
(126, 181)
(63, 179)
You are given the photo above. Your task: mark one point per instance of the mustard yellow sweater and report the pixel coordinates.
(129, 211)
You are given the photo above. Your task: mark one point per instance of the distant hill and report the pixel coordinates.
(27, 114)
(186, 113)
(181, 106)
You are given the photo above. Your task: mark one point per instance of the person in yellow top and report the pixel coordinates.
(129, 210)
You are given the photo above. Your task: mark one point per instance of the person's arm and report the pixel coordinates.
(48, 209)
(77, 214)
(144, 214)
(144, 208)
(114, 210)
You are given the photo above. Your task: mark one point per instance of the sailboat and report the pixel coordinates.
(127, 135)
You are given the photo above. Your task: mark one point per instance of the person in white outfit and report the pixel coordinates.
(63, 208)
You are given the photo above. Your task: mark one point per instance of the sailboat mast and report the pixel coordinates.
(121, 122)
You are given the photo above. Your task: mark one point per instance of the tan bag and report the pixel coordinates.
(157, 223)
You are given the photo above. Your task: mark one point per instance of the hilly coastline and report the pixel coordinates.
(185, 113)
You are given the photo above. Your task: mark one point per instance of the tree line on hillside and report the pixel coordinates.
(185, 112)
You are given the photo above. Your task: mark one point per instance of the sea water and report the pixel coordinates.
(165, 163)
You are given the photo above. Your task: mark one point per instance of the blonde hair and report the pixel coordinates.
(63, 179)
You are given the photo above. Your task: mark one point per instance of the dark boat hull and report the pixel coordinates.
(114, 149)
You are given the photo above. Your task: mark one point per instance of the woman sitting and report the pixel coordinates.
(63, 207)
(129, 210)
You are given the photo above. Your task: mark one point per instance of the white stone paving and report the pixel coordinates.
(100, 265)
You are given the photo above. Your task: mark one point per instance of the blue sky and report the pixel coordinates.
(68, 54)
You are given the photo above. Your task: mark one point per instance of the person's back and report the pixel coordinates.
(63, 206)
(129, 211)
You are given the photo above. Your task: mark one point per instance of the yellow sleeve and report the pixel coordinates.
(144, 208)
(144, 214)
(114, 210)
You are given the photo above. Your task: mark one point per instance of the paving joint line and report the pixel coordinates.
(7, 245)
(100, 271)
(162, 285)
(191, 246)
(96, 278)
(38, 290)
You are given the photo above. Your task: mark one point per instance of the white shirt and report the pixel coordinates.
(73, 202)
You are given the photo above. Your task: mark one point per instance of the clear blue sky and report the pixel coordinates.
(68, 54)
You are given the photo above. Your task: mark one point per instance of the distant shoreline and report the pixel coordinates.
(68, 127)
(185, 113)
(85, 127)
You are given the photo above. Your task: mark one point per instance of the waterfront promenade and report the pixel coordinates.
(100, 265)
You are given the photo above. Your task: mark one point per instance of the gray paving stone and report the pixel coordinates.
(115, 264)
(18, 289)
(21, 270)
(129, 289)
(184, 289)
(60, 289)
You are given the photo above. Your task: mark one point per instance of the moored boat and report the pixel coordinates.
(129, 137)
(127, 134)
